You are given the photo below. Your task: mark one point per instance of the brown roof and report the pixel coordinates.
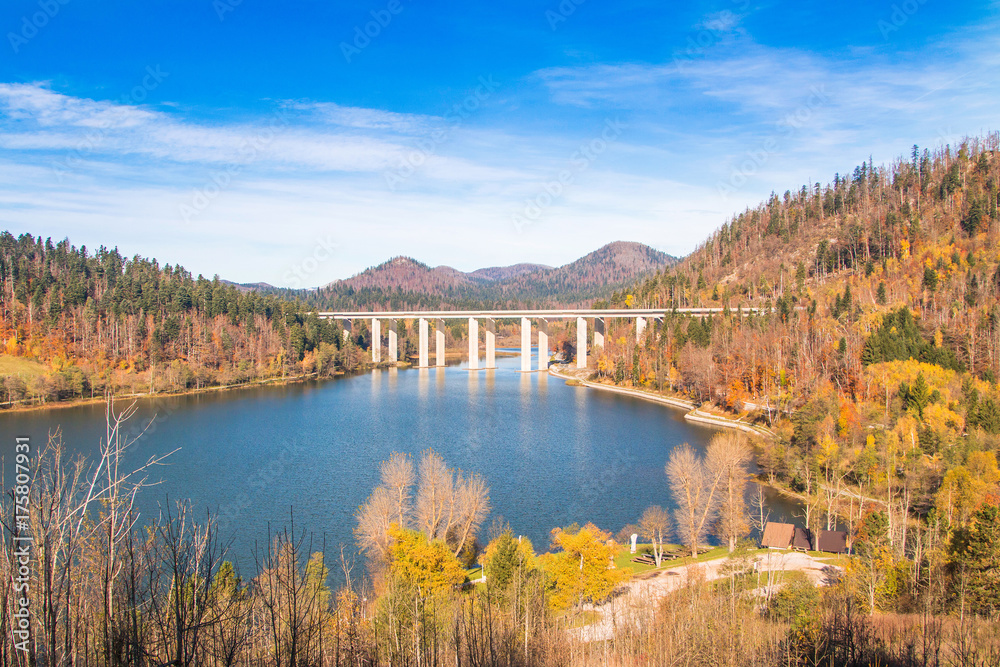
(833, 541)
(802, 539)
(777, 535)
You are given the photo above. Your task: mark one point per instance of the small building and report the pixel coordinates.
(833, 541)
(802, 540)
(777, 535)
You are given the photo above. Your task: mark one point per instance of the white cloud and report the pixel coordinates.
(312, 169)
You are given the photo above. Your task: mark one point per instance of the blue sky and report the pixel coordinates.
(280, 142)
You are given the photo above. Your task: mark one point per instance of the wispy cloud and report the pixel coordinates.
(692, 120)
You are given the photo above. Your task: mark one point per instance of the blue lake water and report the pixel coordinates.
(552, 454)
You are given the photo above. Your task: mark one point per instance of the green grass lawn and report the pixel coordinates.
(840, 560)
(578, 619)
(624, 557)
(474, 573)
(26, 368)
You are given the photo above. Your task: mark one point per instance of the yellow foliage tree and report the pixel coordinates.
(430, 565)
(960, 495)
(582, 571)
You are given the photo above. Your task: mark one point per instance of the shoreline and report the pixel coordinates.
(693, 412)
(79, 402)
(275, 381)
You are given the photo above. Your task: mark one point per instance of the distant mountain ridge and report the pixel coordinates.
(408, 282)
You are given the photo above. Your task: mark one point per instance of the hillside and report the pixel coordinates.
(875, 362)
(77, 324)
(403, 282)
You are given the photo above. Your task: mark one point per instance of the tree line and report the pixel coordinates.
(96, 323)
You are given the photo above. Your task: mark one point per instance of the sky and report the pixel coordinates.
(300, 142)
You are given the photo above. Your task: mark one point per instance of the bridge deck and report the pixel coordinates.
(561, 313)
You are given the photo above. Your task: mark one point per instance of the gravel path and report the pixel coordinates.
(641, 595)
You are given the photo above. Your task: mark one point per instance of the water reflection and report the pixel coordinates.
(423, 384)
(551, 454)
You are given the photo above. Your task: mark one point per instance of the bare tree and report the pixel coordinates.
(761, 512)
(291, 605)
(728, 461)
(654, 525)
(186, 555)
(397, 478)
(435, 496)
(449, 506)
(472, 504)
(694, 493)
(115, 489)
(375, 518)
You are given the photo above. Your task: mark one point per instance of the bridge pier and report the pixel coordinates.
(491, 342)
(473, 344)
(423, 362)
(581, 342)
(439, 341)
(376, 340)
(393, 342)
(525, 345)
(640, 326)
(348, 325)
(598, 333)
(543, 345)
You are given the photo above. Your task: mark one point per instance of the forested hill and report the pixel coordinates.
(834, 260)
(76, 323)
(877, 360)
(403, 283)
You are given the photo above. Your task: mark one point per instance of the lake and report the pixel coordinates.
(260, 457)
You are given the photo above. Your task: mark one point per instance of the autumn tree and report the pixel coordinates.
(448, 506)
(654, 525)
(700, 486)
(506, 556)
(582, 569)
(693, 490)
(729, 457)
(422, 562)
(975, 562)
(872, 573)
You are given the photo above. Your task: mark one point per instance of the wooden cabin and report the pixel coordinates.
(777, 535)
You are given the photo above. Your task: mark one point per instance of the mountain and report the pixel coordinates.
(593, 276)
(246, 287)
(407, 274)
(508, 272)
(403, 282)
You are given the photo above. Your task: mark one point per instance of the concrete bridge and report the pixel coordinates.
(488, 319)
